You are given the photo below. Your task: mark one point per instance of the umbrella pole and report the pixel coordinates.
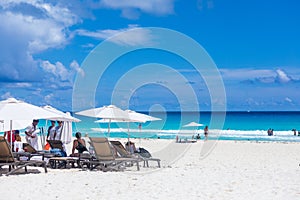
(108, 127)
(46, 129)
(11, 134)
(128, 131)
(42, 136)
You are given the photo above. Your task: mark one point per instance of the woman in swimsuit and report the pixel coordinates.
(79, 145)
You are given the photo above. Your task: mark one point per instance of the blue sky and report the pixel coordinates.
(254, 44)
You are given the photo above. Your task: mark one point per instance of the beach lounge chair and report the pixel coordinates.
(32, 152)
(120, 151)
(64, 161)
(124, 153)
(56, 144)
(105, 157)
(7, 159)
(61, 160)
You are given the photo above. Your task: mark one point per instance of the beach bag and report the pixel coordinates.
(144, 153)
(47, 146)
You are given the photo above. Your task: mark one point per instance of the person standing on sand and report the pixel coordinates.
(31, 134)
(51, 131)
(58, 130)
(206, 132)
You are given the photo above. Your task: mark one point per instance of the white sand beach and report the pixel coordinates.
(231, 170)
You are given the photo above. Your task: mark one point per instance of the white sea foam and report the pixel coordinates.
(214, 134)
(214, 131)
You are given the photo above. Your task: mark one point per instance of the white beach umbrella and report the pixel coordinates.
(110, 112)
(62, 116)
(13, 109)
(17, 125)
(103, 121)
(193, 124)
(133, 117)
(140, 117)
(66, 135)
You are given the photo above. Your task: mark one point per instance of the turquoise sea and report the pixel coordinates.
(237, 126)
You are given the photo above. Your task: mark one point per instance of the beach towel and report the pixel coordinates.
(58, 152)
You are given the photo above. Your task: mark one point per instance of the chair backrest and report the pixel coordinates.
(102, 148)
(56, 144)
(30, 148)
(6, 155)
(120, 148)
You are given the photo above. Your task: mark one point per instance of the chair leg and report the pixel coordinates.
(45, 167)
(158, 163)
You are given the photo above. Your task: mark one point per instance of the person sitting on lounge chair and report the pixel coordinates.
(130, 147)
(79, 145)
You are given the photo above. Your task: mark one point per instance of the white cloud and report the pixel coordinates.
(74, 65)
(27, 28)
(131, 36)
(48, 98)
(282, 76)
(55, 11)
(59, 75)
(88, 46)
(39, 32)
(266, 76)
(58, 70)
(287, 99)
(48, 67)
(158, 7)
(246, 73)
(19, 85)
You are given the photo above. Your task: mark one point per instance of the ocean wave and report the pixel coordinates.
(191, 132)
(260, 135)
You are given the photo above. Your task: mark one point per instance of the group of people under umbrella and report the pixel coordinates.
(16, 114)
